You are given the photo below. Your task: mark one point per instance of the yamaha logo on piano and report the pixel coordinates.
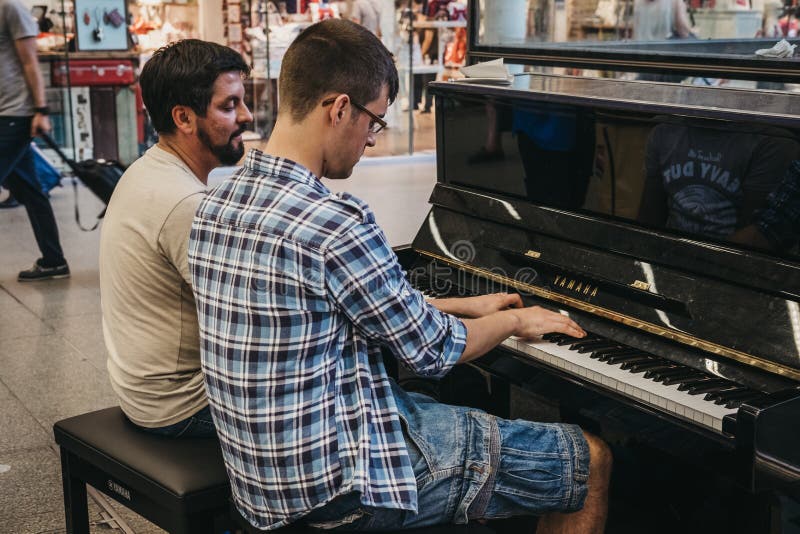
(576, 286)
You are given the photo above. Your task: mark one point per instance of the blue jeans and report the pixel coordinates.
(472, 465)
(18, 174)
(199, 425)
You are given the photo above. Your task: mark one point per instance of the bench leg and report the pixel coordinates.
(76, 508)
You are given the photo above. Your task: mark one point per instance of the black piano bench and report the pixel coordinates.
(178, 484)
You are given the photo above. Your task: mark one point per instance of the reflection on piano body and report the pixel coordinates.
(547, 188)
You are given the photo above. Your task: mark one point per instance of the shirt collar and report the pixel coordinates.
(258, 162)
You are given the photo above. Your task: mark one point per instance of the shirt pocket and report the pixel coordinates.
(288, 276)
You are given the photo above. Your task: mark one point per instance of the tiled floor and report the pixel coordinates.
(52, 357)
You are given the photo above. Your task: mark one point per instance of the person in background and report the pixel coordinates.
(789, 24)
(298, 292)
(429, 49)
(23, 115)
(194, 93)
(657, 20)
(368, 14)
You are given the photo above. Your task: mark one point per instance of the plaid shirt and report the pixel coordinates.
(297, 290)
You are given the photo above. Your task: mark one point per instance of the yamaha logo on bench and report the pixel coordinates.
(119, 490)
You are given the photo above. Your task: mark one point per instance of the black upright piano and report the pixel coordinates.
(665, 220)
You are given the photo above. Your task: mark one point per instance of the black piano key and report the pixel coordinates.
(588, 349)
(603, 356)
(676, 370)
(619, 358)
(680, 379)
(567, 340)
(716, 395)
(723, 396)
(736, 403)
(641, 367)
(555, 337)
(604, 353)
(686, 384)
(588, 345)
(741, 397)
(650, 374)
(631, 364)
(707, 387)
(678, 374)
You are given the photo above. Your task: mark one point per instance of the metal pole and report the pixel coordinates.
(269, 77)
(68, 114)
(410, 78)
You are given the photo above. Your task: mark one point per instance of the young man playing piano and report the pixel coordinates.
(298, 290)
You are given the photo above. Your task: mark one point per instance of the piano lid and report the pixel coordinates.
(772, 107)
(631, 201)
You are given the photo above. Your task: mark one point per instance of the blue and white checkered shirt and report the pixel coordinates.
(297, 290)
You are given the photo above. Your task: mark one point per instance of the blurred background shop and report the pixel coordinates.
(98, 113)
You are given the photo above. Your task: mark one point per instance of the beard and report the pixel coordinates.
(227, 154)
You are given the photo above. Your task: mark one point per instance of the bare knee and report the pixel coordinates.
(600, 458)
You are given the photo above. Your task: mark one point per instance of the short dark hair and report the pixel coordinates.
(183, 74)
(335, 55)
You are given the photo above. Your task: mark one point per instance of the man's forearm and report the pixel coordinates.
(459, 307)
(33, 77)
(487, 332)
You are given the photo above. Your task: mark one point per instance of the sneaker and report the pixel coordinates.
(39, 272)
(9, 202)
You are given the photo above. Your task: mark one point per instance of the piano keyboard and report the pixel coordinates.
(701, 398)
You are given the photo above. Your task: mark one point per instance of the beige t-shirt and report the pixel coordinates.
(149, 316)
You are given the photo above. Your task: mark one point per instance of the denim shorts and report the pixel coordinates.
(472, 465)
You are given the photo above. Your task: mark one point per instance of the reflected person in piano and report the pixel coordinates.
(777, 224)
(298, 291)
(710, 180)
(556, 147)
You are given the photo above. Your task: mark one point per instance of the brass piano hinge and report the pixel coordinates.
(533, 254)
(640, 284)
(674, 335)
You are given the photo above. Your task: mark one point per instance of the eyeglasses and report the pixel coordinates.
(376, 124)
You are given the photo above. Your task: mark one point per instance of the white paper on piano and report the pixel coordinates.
(490, 72)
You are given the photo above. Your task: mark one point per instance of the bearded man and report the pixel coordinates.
(194, 93)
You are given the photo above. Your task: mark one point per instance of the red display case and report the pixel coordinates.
(84, 72)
